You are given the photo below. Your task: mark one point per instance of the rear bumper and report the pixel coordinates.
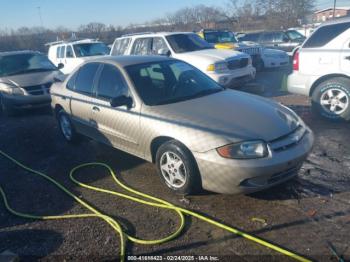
(300, 84)
(229, 176)
(23, 102)
(236, 77)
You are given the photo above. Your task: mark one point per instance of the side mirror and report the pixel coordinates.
(164, 52)
(60, 66)
(122, 101)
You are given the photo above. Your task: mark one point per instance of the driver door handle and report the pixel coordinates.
(96, 109)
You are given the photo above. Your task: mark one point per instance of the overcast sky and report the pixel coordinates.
(72, 13)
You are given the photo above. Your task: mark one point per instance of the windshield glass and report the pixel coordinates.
(293, 35)
(182, 43)
(91, 49)
(166, 82)
(220, 37)
(24, 63)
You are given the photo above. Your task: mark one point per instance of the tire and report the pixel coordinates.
(66, 127)
(331, 99)
(182, 179)
(5, 110)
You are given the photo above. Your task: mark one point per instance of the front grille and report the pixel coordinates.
(38, 89)
(290, 140)
(236, 64)
(250, 50)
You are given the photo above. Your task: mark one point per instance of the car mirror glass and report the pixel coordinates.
(121, 101)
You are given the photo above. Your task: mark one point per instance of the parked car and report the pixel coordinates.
(224, 39)
(227, 67)
(199, 134)
(322, 70)
(70, 54)
(25, 80)
(287, 41)
(272, 58)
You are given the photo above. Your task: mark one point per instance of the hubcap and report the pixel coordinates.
(335, 101)
(173, 170)
(66, 127)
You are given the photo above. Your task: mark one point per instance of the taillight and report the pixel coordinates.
(296, 61)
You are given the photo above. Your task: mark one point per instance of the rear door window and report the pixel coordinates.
(85, 79)
(120, 46)
(142, 46)
(325, 34)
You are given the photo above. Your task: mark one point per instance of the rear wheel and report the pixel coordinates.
(331, 99)
(66, 127)
(177, 168)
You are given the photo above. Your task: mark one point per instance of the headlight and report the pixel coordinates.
(10, 89)
(244, 150)
(221, 66)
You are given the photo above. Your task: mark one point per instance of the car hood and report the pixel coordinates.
(211, 55)
(232, 115)
(31, 79)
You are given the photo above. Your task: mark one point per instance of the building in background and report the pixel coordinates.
(326, 14)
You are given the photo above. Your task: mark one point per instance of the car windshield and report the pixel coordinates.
(24, 63)
(167, 82)
(294, 35)
(182, 43)
(220, 37)
(91, 49)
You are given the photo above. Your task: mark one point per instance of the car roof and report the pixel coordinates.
(154, 34)
(19, 52)
(128, 60)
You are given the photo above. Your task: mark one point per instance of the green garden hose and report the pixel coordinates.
(145, 199)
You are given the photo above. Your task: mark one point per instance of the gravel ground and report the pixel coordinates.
(302, 215)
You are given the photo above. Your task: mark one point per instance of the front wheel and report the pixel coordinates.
(331, 99)
(66, 127)
(177, 168)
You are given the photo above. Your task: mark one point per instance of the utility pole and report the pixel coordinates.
(40, 17)
(335, 5)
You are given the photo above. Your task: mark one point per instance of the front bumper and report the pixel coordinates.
(229, 176)
(26, 101)
(234, 78)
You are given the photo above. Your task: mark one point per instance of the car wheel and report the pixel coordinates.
(331, 99)
(177, 168)
(66, 127)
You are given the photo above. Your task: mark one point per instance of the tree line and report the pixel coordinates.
(235, 15)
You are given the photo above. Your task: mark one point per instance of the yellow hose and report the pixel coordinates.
(146, 200)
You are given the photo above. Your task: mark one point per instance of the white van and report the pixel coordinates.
(71, 54)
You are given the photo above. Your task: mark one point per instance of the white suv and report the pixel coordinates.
(69, 55)
(322, 70)
(228, 68)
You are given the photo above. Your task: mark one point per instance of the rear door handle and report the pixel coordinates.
(347, 57)
(96, 109)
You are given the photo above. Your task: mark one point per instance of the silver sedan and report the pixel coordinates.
(199, 134)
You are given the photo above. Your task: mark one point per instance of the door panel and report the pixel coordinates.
(118, 127)
(345, 58)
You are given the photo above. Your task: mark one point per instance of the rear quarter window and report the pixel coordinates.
(325, 34)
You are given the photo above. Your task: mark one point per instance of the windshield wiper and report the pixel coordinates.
(20, 72)
(184, 98)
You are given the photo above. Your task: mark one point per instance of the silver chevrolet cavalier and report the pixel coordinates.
(199, 134)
